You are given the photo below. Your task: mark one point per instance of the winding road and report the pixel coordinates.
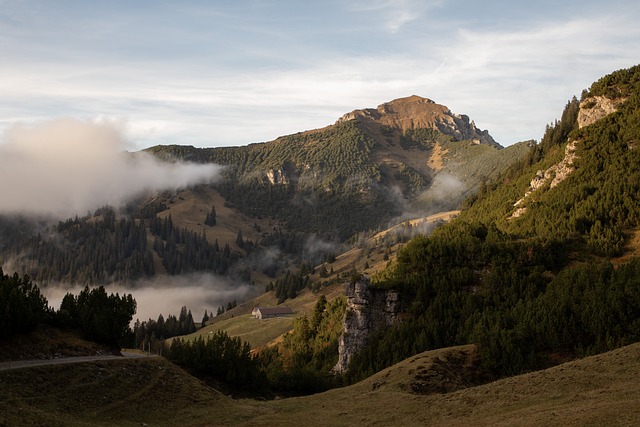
(17, 364)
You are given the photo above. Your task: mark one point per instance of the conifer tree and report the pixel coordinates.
(239, 239)
(210, 220)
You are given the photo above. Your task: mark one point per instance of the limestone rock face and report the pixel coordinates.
(415, 112)
(277, 176)
(284, 175)
(552, 176)
(595, 108)
(368, 310)
(591, 110)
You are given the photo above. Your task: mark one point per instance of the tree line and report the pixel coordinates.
(150, 334)
(98, 316)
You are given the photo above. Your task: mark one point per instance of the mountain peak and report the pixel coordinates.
(416, 112)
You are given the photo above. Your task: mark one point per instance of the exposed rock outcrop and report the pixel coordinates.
(368, 310)
(284, 175)
(277, 176)
(415, 112)
(595, 108)
(591, 110)
(552, 176)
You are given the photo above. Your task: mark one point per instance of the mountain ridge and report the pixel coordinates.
(416, 112)
(385, 158)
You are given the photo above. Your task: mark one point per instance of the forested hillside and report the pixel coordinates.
(97, 316)
(100, 248)
(355, 175)
(539, 287)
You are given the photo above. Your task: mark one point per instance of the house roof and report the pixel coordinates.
(275, 310)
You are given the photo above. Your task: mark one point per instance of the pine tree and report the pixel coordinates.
(210, 220)
(239, 239)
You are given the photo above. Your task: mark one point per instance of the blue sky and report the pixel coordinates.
(214, 73)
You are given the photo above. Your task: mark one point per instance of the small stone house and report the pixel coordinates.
(268, 312)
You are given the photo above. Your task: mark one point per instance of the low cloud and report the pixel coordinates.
(67, 167)
(315, 248)
(444, 194)
(445, 187)
(167, 294)
(265, 260)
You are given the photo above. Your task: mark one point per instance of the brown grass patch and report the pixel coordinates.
(436, 159)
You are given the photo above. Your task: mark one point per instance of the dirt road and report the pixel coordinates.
(62, 360)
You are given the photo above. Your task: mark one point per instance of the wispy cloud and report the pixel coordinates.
(396, 13)
(514, 82)
(230, 78)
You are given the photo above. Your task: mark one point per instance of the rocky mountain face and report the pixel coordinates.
(368, 310)
(591, 110)
(597, 107)
(415, 112)
(361, 173)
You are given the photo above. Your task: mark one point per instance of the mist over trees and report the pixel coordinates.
(150, 334)
(100, 317)
(104, 247)
(328, 184)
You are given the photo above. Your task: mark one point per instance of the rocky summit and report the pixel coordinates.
(415, 112)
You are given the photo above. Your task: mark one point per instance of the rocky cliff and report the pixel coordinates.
(415, 112)
(591, 110)
(595, 108)
(368, 310)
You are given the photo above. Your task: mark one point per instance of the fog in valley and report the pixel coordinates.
(66, 167)
(167, 294)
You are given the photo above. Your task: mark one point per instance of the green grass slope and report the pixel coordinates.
(238, 321)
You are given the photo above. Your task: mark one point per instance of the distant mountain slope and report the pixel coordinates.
(367, 168)
(300, 194)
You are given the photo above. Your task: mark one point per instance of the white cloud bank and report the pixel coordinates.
(67, 167)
